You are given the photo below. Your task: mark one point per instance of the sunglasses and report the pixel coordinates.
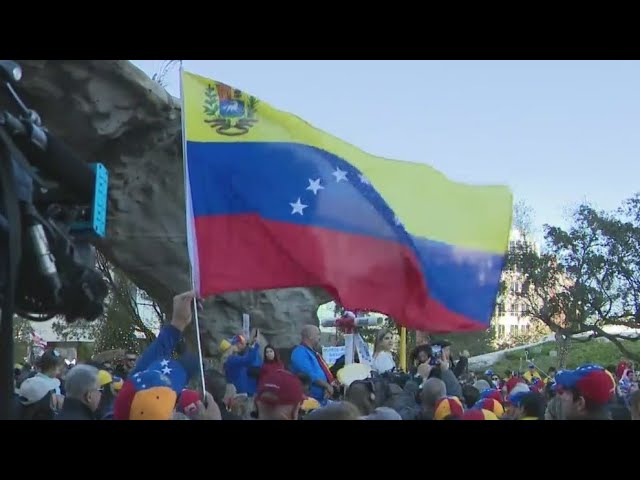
(495, 378)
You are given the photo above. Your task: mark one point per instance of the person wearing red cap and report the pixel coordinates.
(279, 396)
(585, 392)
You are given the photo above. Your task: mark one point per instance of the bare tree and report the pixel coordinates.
(160, 77)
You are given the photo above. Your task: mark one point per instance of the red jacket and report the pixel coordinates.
(268, 367)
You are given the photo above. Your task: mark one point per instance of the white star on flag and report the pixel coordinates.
(396, 219)
(144, 386)
(364, 180)
(166, 370)
(339, 174)
(314, 186)
(298, 207)
(164, 362)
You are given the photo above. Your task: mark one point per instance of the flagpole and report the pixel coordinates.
(403, 349)
(188, 225)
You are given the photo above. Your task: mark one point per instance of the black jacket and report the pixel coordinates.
(73, 409)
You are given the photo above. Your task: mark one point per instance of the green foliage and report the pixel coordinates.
(252, 107)
(122, 321)
(211, 101)
(537, 331)
(22, 330)
(598, 352)
(85, 351)
(476, 343)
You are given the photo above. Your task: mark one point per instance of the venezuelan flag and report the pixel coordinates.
(273, 202)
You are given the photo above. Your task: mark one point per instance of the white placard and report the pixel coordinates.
(246, 326)
(363, 350)
(331, 354)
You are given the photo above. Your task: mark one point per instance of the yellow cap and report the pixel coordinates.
(117, 384)
(224, 345)
(153, 404)
(310, 404)
(104, 378)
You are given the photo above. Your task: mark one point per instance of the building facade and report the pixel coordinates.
(510, 318)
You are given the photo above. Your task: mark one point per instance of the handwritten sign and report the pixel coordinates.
(331, 354)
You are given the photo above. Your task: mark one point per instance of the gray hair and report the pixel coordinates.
(80, 380)
(433, 390)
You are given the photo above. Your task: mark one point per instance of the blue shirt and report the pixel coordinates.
(304, 360)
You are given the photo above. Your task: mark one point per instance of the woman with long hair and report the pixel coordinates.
(382, 357)
(270, 363)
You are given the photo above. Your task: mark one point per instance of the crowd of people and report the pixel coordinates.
(256, 384)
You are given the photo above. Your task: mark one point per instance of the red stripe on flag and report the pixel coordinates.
(247, 252)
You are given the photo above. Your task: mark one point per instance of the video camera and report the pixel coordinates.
(53, 204)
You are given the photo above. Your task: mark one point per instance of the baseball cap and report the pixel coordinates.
(491, 405)
(117, 383)
(517, 398)
(281, 388)
(104, 378)
(310, 404)
(226, 343)
(513, 382)
(187, 403)
(517, 392)
(479, 414)
(448, 406)
(491, 393)
(147, 395)
(174, 371)
(34, 389)
(154, 397)
(592, 381)
(155, 403)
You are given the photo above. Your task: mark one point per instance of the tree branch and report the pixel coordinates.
(614, 339)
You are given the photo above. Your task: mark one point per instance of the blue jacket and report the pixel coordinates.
(236, 369)
(252, 382)
(161, 347)
(303, 360)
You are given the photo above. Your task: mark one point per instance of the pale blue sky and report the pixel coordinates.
(556, 132)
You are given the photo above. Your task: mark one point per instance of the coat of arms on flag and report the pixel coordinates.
(230, 111)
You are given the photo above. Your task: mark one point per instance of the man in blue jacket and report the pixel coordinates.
(169, 336)
(236, 366)
(305, 359)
